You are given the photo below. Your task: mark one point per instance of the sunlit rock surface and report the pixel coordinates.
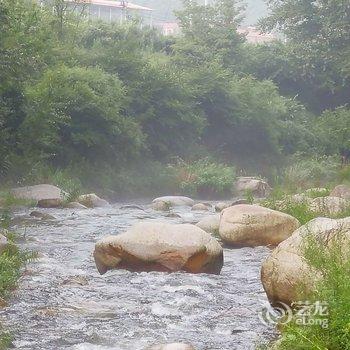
(252, 225)
(153, 246)
(285, 271)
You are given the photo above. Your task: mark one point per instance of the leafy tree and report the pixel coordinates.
(210, 33)
(77, 113)
(318, 34)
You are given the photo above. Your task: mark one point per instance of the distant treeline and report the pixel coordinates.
(90, 96)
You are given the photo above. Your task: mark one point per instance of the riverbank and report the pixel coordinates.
(12, 260)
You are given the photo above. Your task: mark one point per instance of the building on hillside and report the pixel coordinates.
(112, 11)
(254, 36)
(168, 28)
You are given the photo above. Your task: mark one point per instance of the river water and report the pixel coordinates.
(63, 303)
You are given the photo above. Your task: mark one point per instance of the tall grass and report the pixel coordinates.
(332, 261)
(12, 259)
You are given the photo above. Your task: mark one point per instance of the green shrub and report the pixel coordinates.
(206, 178)
(309, 173)
(333, 263)
(344, 174)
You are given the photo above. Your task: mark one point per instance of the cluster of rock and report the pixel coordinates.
(335, 203)
(49, 196)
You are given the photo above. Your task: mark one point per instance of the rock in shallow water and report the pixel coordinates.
(92, 201)
(252, 225)
(174, 201)
(50, 203)
(38, 192)
(155, 246)
(173, 346)
(42, 216)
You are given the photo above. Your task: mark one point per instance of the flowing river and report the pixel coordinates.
(63, 303)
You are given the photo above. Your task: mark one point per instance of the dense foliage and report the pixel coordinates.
(112, 104)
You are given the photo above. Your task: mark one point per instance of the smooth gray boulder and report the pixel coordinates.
(253, 185)
(38, 192)
(174, 201)
(91, 200)
(252, 225)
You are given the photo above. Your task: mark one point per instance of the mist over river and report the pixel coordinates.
(63, 303)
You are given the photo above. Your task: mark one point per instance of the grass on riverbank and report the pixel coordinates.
(12, 260)
(333, 263)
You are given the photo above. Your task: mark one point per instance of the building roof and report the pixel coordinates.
(111, 3)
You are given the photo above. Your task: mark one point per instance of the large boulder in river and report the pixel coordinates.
(38, 192)
(156, 246)
(253, 185)
(329, 205)
(210, 224)
(92, 201)
(286, 272)
(174, 201)
(252, 225)
(341, 191)
(3, 243)
(173, 346)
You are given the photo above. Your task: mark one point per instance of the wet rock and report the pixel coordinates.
(76, 280)
(253, 185)
(50, 203)
(160, 206)
(222, 205)
(156, 246)
(252, 225)
(200, 207)
(38, 192)
(3, 243)
(210, 224)
(41, 215)
(75, 205)
(92, 201)
(173, 215)
(174, 201)
(131, 206)
(173, 346)
(219, 207)
(285, 270)
(329, 205)
(341, 191)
